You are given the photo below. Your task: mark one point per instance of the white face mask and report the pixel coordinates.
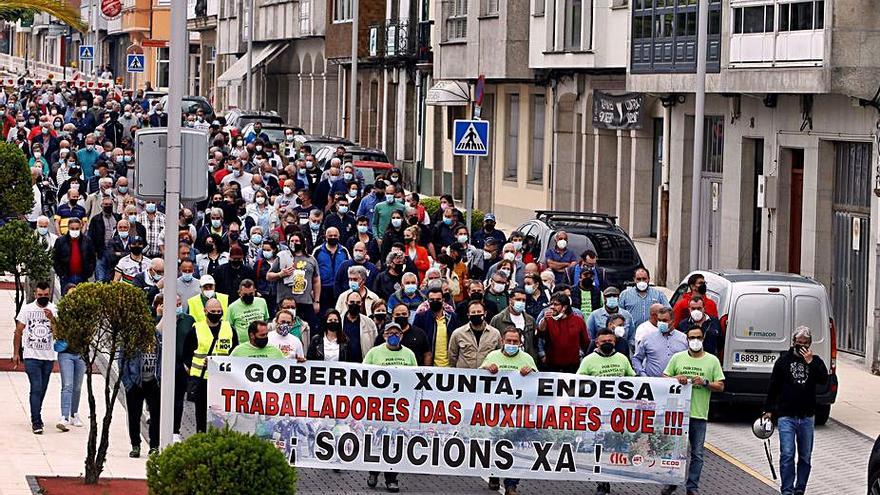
(498, 287)
(697, 315)
(695, 345)
(642, 286)
(561, 243)
(74, 233)
(509, 256)
(619, 332)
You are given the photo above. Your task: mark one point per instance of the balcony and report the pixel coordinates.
(400, 42)
(201, 15)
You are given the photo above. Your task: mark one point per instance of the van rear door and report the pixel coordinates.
(759, 327)
(811, 310)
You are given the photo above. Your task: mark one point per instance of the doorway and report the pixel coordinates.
(796, 206)
(757, 213)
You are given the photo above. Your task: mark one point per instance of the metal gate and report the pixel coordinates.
(851, 232)
(710, 222)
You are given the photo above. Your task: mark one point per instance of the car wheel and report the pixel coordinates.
(823, 411)
(874, 483)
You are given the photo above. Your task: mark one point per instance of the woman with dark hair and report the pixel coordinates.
(331, 343)
(213, 256)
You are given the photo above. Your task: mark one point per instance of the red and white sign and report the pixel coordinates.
(111, 9)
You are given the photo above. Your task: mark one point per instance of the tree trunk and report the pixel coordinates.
(19, 293)
(93, 470)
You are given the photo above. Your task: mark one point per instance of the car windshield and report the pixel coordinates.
(244, 120)
(275, 135)
(369, 156)
(613, 249)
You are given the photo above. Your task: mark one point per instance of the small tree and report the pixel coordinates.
(104, 319)
(16, 195)
(24, 257)
(221, 461)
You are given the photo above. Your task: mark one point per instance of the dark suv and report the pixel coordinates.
(596, 231)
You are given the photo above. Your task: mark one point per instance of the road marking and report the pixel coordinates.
(727, 457)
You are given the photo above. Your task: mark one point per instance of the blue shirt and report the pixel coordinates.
(640, 307)
(368, 207)
(87, 160)
(352, 331)
(599, 319)
(566, 256)
(328, 263)
(656, 349)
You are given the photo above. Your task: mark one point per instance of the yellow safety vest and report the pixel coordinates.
(222, 348)
(197, 307)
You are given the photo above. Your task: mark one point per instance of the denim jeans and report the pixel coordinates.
(73, 368)
(794, 433)
(38, 371)
(103, 272)
(74, 280)
(696, 439)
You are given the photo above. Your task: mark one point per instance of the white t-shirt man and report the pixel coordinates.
(644, 330)
(130, 268)
(289, 345)
(36, 338)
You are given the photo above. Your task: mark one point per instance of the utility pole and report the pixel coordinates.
(699, 118)
(352, 90)
(250, 57)
(177, 81)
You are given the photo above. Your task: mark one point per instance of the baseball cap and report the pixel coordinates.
(489, 216)
(206, 280)
(611, 291)
(392, 325)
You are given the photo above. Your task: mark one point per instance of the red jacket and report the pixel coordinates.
(681, 311)
(421, 260)
(565, 339)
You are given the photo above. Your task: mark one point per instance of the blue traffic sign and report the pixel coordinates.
(471, 138)
(135, 63)
(86, 52)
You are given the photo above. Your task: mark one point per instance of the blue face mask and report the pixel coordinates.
(519, 306)
(180, 310)
(611, 302)
(257, 239)
(315, 226)
(447, 221)
(511, 349)
(394, 340)
(187, 277)
(663, 327)
(353, 286)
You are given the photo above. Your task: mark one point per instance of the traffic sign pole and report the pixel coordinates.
(469, 193)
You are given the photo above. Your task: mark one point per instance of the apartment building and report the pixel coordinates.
(788, 179)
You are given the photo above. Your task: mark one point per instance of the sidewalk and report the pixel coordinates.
(858, 397)
(53, 453)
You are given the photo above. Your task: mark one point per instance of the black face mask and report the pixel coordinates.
(214, 317)
(413, 221)
(261, 342)
(586, 283)
(402, 321)
(702, 288)
(247, 298)
(435, 305)
(333, 326)
(796, 349)
(137, 250)
(296, 246)
(607, 348)
(235, 263)
(354, 309)
(380, 196)
(234, 236)
(399, 267)
(42, 302)
(475, 319)
(332, 242)
(476, 296)
(107, 209)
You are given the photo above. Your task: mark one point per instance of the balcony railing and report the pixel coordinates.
(400, 40)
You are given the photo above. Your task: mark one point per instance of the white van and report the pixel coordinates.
(759, 312)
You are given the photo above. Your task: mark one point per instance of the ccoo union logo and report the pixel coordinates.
(670, 463)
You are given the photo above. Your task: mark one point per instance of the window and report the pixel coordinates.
(573, 21)
(750, 20)
(713, 144)
(490, 7)
(539, 111)
(342, 10)
(163, 56)
(665, 32)
(539, 7)
(305, 16)
(511, 144)
(802, 16)
(656, 173)
(456, 21)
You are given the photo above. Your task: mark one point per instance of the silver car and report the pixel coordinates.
(759, 312)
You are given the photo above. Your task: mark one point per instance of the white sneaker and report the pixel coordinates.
(176, 438)
(76, 421)
(63, 424)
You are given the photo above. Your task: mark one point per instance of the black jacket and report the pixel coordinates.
(97, 231)
(792, 390)
(316, 348)
(61, 255)
(228, 279)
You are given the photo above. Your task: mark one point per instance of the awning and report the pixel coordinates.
(449, 94)
(263, 53)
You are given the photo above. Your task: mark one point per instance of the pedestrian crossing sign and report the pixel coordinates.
(135, 63)
(86, 52)
(471, 138)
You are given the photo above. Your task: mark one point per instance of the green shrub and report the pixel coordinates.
(16, 196)
(432, 204)
(220, 461)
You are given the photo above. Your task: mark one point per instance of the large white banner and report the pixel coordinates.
(458, 422)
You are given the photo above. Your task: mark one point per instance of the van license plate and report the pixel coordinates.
(756, 358)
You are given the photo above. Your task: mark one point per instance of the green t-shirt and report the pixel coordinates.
(248, 350)
(509, 363)
(241, 315)
(596, 364)
(381, 355)
(708, 367)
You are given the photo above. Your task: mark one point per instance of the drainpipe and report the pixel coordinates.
(663, 227)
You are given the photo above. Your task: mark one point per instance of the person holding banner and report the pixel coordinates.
(257, 345)
(331, 344)
(511, 357)
(391, 353)
(703, 370)
(470, 344)
(605, 361)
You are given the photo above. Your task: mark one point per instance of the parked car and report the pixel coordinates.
(615, 250)
(239, 119)
(874, 469)
(352, 153)
(189, 104)
(372, 169)
(317, 142)
(759, 312)
(274, 131)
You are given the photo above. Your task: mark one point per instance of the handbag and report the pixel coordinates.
(194, 383)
